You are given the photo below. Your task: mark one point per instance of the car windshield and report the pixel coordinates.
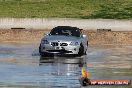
(66, 30)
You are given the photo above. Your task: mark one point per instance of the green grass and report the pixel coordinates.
(108, 9)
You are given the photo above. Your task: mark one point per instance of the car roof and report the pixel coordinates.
(66, 27)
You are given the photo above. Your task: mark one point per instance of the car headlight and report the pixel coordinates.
(45, 42)
(74, 43)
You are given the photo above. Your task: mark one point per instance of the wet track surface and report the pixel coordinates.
(22, 67)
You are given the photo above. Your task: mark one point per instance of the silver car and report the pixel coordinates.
(64, 40)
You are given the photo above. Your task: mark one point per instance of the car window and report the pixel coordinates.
(68, 31)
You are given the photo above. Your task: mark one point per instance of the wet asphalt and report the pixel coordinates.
(21, 66)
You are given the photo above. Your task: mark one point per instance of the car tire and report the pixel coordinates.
(81, 50)
(85, 53)
(87, 44)
(42, 53)
(39, 49)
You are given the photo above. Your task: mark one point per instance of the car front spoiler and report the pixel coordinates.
(59, 51)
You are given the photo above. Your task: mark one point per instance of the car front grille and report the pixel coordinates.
(54, 43)
(63, 44)
(57, 44)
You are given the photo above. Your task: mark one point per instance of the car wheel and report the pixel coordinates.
(42, 53)
(87, 43)
(39, 49)
(81, 50)
(85, 53)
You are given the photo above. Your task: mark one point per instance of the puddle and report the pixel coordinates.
(22, 67)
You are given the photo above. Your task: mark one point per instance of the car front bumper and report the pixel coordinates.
(47, 48)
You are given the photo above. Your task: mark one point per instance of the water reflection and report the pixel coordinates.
(67, 60)
(22, 67)
(62, 71)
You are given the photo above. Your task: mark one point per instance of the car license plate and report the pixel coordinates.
(57, 48)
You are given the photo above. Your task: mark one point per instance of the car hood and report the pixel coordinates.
(61, 38)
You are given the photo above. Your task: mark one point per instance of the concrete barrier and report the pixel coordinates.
(49, 23)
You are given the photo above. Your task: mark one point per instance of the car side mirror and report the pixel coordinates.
(84, 36)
